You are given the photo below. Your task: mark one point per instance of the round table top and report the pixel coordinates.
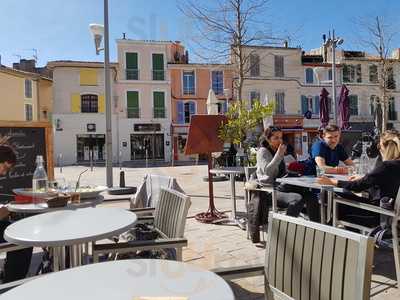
(38, 208)
(69, 227)
(228, 170)
(126, 280)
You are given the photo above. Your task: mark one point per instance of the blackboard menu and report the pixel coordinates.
(28, 142)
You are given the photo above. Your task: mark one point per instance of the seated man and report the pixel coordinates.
(327, 153)
(17, 262)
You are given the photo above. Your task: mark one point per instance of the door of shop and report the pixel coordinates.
(88, 145)
(150, 146)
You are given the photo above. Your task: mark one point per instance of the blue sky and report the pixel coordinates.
(58, 29)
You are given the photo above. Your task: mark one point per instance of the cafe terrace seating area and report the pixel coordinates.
(298, 260)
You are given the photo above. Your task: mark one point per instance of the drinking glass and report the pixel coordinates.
(320, 171)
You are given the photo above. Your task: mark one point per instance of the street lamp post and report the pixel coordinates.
(334, 42)
(98, 31)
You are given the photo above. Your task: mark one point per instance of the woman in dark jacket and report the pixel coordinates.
(385, 176)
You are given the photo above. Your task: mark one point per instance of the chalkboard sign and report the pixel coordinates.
(28, 142)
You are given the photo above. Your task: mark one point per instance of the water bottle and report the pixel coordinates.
(364, 160)
(39, 180)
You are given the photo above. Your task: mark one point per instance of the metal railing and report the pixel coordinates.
(133, 112)
(158, 74)
(159, 112)
(132, 74)
(189, 90)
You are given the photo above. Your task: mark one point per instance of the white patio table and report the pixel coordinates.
(126, 280)
(311, 183)
(69, 228)
(38, 208)
(232, 172)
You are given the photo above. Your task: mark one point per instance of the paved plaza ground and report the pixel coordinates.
(211, 246)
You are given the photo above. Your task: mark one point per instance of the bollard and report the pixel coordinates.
(122, 179)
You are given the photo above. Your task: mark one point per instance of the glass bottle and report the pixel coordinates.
(39, 180)
(364, 160)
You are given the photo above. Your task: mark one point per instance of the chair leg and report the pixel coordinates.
(396, 253)
(179, 254)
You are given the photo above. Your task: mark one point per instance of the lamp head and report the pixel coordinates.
(340, 41)
(97, 31)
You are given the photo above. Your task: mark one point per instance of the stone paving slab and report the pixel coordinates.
(211, 246)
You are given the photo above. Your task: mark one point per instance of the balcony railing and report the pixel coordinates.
(132, 74)
(133, 112)
(159, 112)
(188, 90)
(158, 74)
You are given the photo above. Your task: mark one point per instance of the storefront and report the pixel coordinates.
(147, 142)
(90, 146)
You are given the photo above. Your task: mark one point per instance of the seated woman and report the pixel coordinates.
(270, 165)
(384, 176)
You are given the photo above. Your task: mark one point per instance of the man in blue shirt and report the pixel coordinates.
(327, 153)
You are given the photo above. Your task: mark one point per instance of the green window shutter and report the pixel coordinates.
(158, 61)
(159, 104)
(131, 60)
(133, 104)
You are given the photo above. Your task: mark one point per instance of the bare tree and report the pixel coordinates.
(226, 29)
(378, 35)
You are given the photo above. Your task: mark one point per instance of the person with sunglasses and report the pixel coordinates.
(17, 262)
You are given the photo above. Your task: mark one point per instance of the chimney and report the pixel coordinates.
(28, 65)
(186, 57)
(285, 44)
(124, 36)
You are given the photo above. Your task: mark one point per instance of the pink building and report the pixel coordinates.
(190, 84)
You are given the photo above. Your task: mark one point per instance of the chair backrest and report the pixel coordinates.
(307, 260)
(154, 183)
(248, 171)
(171, 212)
(397, 204)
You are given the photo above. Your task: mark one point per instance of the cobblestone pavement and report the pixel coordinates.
(211, 246)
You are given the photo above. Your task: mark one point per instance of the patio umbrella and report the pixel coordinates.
(344, 107)
(212, 103)
(324, 108)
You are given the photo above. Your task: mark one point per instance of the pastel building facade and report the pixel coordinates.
(190, 85)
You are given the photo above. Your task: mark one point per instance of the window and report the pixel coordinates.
(159, 104)
(310, 103)
(309, 75)
(89, 103)
(353, 103)
(188, 83)
(352, 73)
(158, 66)
(189, 109)
(373, 101)
(279, 66)
(392, 114)
(330, 74)
(132, 71)
(132, 101)
(254, 96)
(280, 103)
(28, 88)
(373, 73)
(390, 83)
(222, 107)
(254, 65)
(217, 78)
(28, 112)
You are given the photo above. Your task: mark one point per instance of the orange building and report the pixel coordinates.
(190, 85)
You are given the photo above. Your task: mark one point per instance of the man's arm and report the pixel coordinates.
(320, 161)
(349, 162)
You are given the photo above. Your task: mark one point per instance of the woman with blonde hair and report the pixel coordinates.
(385, 176)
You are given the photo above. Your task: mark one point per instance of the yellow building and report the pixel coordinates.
(24, 96)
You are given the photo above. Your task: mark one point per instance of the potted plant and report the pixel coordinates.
(242, 122)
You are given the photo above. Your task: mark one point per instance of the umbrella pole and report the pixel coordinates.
(212, 213)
